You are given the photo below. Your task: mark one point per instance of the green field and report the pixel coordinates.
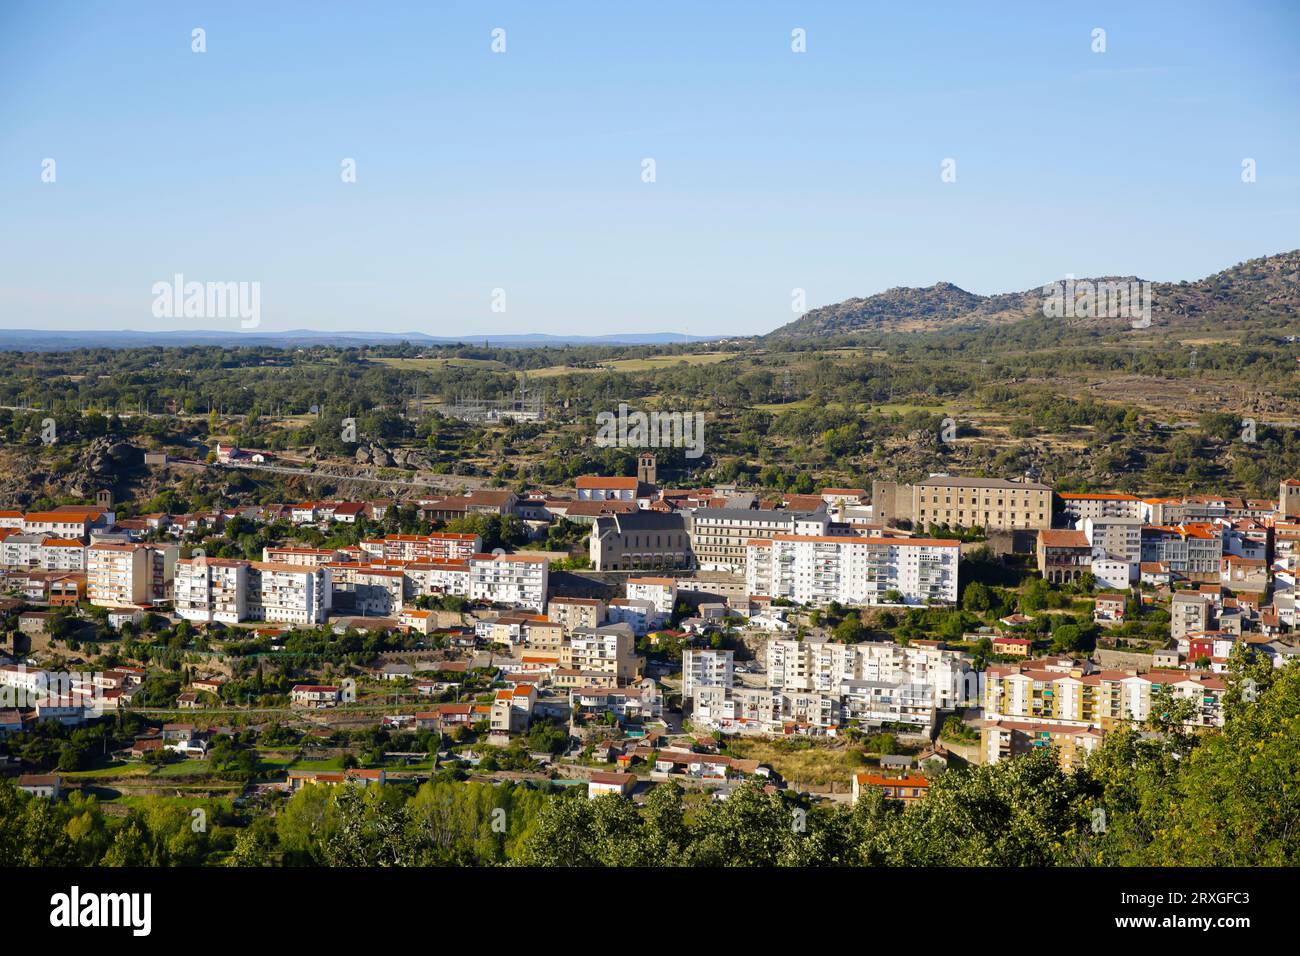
(637, 365)
(427, 364)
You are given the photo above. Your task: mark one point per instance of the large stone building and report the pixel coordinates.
(719, 536)
(989, 503)
(641, 541)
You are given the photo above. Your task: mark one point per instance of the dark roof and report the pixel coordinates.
(644, 521)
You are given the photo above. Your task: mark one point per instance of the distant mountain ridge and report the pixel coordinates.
(1267, 288)
(36, 340)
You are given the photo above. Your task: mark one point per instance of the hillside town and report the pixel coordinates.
(683, 635)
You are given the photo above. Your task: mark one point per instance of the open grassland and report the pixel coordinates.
(636, 365)
(815, 762)
(427, 364)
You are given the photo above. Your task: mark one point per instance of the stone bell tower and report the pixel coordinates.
(645, 467)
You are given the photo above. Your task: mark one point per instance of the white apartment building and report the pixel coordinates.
(63, 554)
(1101, 505)
(366, 590)
(516, 579)
(228, 591)
(1112, 572)
(308, 557)
(662, 592)
(819, 569)
(766, 711)
(288, 593)
(875, 703)
(64, 524)
(211, 590)
(440, 546)
(1118, 537)
(23, 550)
(737, 709)
(824, 666)
(706, 668)
(1187, 549)
(438, 577)
(640, 615)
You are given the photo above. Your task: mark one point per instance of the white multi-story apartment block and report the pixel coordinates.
(947, 673)
(766, 710)
(63, 554)
(645, 700)
(819, 569)
(229, 591)
(1245, 538)
(437, 577)
(878, 702)
(1112, 572)
(211, 589)
(662, 592)
(123, 574)
(1186, 549)
(363, 589)
(309, 557)
(516, 579)
(737, 709)
(823, 666)
(64, 524)
(289, 593)
(440, 546)
(640, 615)
(23, 550)
(814, 664)
(1120, 537)
(1101, 505)
(706, 668)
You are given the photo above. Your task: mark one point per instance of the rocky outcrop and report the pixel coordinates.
(373, 453)
(107, 457)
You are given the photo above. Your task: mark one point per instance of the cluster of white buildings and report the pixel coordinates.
(211, 590)
(302, 586)
(817, 686)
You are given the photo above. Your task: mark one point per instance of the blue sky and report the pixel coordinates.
(522, 171)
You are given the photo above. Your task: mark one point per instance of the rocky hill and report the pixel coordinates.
(1264, 292)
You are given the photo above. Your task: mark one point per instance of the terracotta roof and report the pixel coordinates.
(1063, 538)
